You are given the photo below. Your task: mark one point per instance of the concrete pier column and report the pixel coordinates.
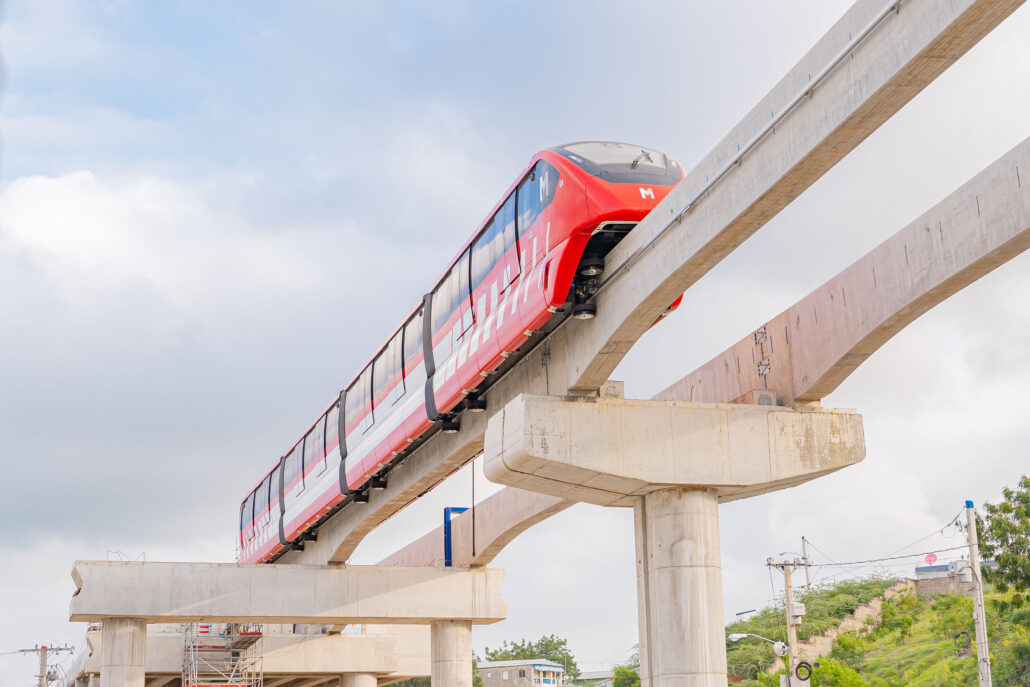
(358, 680)
(123, 652)
(451, 653)
(679, 589)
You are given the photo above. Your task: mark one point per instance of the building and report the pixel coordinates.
(521, 673)
(954, 577)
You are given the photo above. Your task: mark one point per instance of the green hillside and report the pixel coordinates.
(913, 645)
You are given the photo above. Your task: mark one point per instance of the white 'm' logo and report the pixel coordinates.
(646, 193)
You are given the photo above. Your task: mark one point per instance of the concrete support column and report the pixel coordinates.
(451, 653)
(123, 652)
(679, 589)
(358, 680)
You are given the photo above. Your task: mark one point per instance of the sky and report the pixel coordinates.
(209, 218)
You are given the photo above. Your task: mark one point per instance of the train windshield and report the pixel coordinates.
(622, 163)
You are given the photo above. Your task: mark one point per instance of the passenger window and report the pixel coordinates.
(510, 234)
(293, 472)
(536, 193)
(357, 402)
(273, 486)
(261, 502)
(332, 433)
(412, 342)
(487, 251)
(386, 375)
(314, 446)
(247, 518)
(414, 369)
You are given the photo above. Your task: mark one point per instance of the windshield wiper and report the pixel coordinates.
(643, 155)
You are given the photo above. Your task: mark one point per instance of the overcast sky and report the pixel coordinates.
(211, 214)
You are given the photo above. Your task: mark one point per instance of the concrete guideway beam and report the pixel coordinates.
(285, 654)
(500, 518)
(809, 349)
(887, 69)
(609, 452)
(225, 592)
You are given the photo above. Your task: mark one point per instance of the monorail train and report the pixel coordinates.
(536, 259)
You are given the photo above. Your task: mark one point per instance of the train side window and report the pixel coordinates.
(292, 484)
(332, 434)
(464, 304)
(488, 250)
(247, 518)
(261, 503)
(395, 354)
(357, 402)
(314, 447)
(414, 368)
(444, 300)
(387, 385)
(510, 234)
(273, 487)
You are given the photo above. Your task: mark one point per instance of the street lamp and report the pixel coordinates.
(779, 648)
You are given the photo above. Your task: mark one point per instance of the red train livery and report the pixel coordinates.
(535, 260)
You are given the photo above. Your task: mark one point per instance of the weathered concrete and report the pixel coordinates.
(359, 680)
(804, 353)
(499, 519)
(451, 652)
(216, 592)
(679, 588)
(908, 51)
(123, 656)
(389, 652)
(609, 451)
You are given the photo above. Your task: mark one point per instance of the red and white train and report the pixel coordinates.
(535, 260)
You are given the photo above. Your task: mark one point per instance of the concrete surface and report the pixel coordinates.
(679, 588)
(608, 452)
(499, 519)
(223, 592)
(451, 652)
(390, 652)
(123, 657)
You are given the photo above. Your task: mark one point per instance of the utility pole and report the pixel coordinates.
(795, 612)
(804, 553)
(983, 656)
(44, 652)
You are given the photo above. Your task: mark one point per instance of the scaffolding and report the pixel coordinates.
(217, 655)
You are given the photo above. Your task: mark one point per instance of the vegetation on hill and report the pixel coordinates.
(825, 608)
(927, 643)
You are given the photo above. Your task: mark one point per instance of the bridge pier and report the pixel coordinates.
(358, 680)
(123, 653)
(673, 462)
(451, 653)
(679, 588)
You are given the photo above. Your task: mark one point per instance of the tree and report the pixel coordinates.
(626, 677)
(1006, 538)
(550, 647)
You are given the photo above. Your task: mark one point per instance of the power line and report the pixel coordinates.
(886, 558)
